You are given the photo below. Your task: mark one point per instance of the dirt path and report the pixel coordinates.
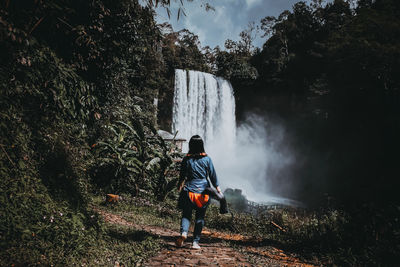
(215, 249)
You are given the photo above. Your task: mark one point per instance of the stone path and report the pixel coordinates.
(215, 250)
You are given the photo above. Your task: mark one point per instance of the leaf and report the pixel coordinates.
(21, 164)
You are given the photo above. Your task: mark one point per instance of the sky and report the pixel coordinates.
(226, 22)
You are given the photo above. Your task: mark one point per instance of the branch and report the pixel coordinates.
(35, 26)
(5, 152)
(277, 226)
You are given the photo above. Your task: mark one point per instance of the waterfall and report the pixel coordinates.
(203, 104)
(243, 157)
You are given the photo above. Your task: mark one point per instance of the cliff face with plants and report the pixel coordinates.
(78, 79)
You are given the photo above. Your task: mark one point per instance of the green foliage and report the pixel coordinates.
(78, 73)
(234, 64)
(144, 211)
(334, 236)
(330, 72)
(43, 103)
(38, 222)
(67, 71)
(125, 246)
(315, 40)
(234, 67)
(131, 160)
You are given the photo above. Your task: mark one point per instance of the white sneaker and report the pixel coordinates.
(181, 239)
(195, 245)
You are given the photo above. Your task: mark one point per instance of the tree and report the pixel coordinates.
(244, 47)
(234, 63)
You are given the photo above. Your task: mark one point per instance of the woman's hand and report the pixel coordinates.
(180, 185)
(219, 189)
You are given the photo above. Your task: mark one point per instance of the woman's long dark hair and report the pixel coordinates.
(196, 145)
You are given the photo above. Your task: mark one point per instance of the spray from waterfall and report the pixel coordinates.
(243, 156)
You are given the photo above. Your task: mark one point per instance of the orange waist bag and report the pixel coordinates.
(198, 199)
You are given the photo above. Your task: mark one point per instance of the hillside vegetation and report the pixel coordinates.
(78, 81)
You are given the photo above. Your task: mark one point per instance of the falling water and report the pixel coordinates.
(203, 104)
(243, 157)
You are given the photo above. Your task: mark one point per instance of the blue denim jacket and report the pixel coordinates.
(196, 169)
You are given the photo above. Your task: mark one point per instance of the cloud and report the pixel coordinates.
(212, 27)
(252, 3)
(226, 22)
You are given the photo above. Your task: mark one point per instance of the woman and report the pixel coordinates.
(195, 168)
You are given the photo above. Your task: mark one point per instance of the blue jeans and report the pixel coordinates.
(187, 209)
